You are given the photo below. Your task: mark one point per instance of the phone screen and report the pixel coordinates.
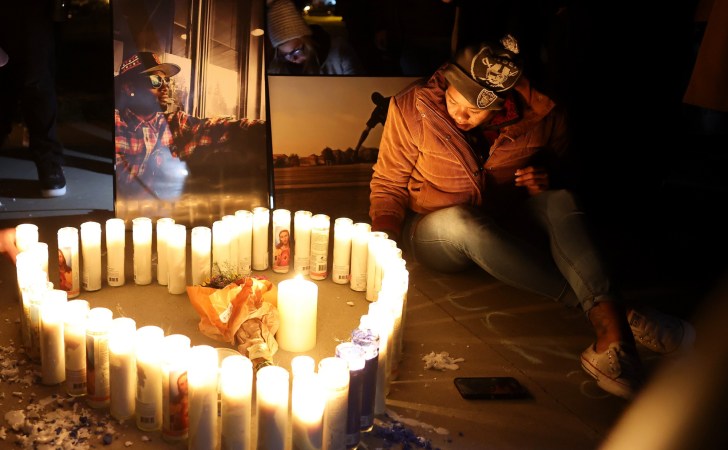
(490, 388)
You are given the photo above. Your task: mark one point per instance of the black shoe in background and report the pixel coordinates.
(52, 180)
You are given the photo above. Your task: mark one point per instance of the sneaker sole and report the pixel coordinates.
(49, 193)
(606, 383)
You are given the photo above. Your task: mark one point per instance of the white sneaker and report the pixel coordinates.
(618, 370)
(661, 332)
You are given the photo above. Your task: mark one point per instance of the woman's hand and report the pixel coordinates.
(535, 179)
(7, 243)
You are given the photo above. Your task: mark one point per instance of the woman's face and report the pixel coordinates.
(293, 51)
(465, 115)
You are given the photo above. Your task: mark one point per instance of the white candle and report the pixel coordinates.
(74, 341)
(177, 259)
(91, 254)
(233, 246)
(384, 323)
(201, 242)
(148, 353)
(261, 219)
(302, 364)
(202, 378)
(297, 306)
(245, 244)
(175, 387)
(302, 242)
(68, 261)
(281, 246)
(163, 225)
(308, 401)
(236, 387)
(220, 247)
(359, 256)
(335, 375)
(39, 250)
(122, 368)
(31, 282)
(272, 401)
(115, 243)
(320, 224)
(386, 251)
(142, 238)
(395, 283)
(34, 288)
(97, 357)
(52, 358)
(341, 264)
(25, 235)
(375, 239)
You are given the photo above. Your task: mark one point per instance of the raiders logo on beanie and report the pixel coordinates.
(483, 73)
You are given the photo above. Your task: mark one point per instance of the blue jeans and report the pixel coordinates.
(452, 239)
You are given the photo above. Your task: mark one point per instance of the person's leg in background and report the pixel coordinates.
(28, 38)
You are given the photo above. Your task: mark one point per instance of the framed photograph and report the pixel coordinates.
(191, 139)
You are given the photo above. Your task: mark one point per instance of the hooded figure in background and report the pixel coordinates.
(300, 49)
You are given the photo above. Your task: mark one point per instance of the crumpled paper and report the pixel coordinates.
(441, 361)
(242, 313)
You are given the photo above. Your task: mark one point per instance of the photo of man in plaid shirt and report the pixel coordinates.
(153, 145)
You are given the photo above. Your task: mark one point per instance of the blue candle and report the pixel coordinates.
(354, 356)
(368, 340)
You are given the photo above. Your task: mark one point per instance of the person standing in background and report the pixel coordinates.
(27, 36)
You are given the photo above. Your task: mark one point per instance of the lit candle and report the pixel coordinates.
(220, 247)
(386, 250)
(25, 235)
(148, 353)
(308, 401)
(375, 239)
(122, 368)
(354, 356)
(245, 244)
(142, 238)
(34, 297)
(297, 306)
(115, 243)
(320, 224)
(334, 373)
(233, 246)
(302, 364)
(177, 259)
(236, 387)
(261, 219)
(91, 254)
(202, 378)
(201, 242)
(74, 341)
(359, 256)
(97, 357)
(281, 247)
(39, 250)
(175, 387)
(382, 318)
(395, 282)
(163, 225)
(31, 285)
(272, 400)
(68, 262)
(302, 242)
(52, 358)
(342, 250)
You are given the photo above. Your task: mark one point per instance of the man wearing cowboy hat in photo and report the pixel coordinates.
(152, 143)
(472, 170)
